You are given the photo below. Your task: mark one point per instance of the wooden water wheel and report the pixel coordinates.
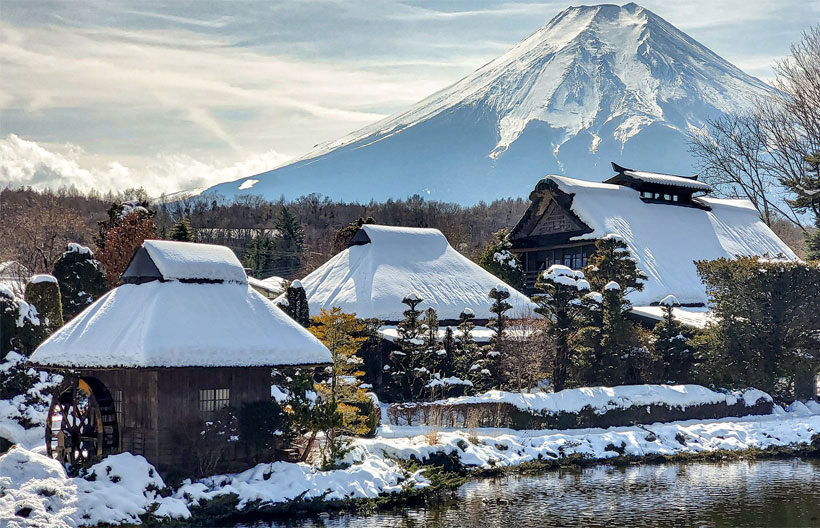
(82, 423)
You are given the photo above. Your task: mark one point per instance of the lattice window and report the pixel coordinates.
(212, 400)
(118, 406)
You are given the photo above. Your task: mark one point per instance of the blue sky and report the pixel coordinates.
(183, 94)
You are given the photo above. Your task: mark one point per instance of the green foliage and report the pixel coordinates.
(612, 262)
(261, 426)
(45, 296)
(498, 260)
(813, 242)
(671, 344)
(765, 332)
(408, 374)
(260, 255)
(343, 237)
(559, 305)
(81, 279)
(292, 241)
(182, 231)
(297, 304)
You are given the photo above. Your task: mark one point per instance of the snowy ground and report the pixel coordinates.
(126, 486)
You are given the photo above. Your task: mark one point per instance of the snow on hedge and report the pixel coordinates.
(506, 447)
(603, 399)
(30, 409)
(666, 239)
(371, 279)
(175, 324)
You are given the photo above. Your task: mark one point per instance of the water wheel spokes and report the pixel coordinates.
(74, 429)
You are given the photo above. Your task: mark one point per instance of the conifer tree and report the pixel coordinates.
(182, 231)
(587, 339)
(292, 241)
(80, 277)
(612, 262)
(469, 362)
(558, 304)
(449, 347)
(501, 262)
(409, 376)
(296, 304)
(44, 293)
(494, 352)
(672, 346)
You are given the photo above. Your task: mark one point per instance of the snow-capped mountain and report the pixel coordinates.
(596, 84)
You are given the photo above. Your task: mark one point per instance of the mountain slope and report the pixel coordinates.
(596, 84)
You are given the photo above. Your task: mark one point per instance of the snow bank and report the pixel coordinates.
(603, 399)
(277, 482)
(30, 409)
(371, 279)
(505, 447)
(35, 491)
(175, 324)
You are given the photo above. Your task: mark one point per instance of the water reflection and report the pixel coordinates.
(744, 493)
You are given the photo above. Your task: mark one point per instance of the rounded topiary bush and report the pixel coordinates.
(43, 292)
(81, 279)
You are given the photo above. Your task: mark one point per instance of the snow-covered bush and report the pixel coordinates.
(501, 262)
(80, 277)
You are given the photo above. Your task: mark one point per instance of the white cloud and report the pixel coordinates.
(26, 163)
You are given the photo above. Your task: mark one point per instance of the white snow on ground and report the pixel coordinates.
(371, 280)
(122, 488)
(17, 409)
(603, 399)
(175, 324)
(129, 488)
(666, 239)
(187, 260)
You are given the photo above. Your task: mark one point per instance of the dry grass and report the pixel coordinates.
(432, 436)
(472, 437)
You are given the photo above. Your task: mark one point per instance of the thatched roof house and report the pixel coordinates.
(181, 338)
(384, 264)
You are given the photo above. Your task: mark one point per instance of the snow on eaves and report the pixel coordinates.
(666, 239)
(190, 261)
(176, 324)
(371, 280)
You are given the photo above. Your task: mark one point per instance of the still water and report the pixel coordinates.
(769, 493)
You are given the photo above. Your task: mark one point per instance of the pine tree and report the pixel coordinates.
(494, 353)
(430, 359)
(408, 374)
(259, 256)
(612, 262)
(449, 347)
(808, 198)
(81, 279)
(558, 304)
(469, 362)
(182, 231)
(296, 304)
(588, 339)
(671, 344)
(292, 241)
(44, 293)
(501, 262)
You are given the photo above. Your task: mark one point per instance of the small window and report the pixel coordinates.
(212, 400)
(657, 196)
(667, 197)
(674, 197)
(118, 406)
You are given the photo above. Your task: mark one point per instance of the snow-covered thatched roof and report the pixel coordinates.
(183, 321)
(666, 239)
(388, 263)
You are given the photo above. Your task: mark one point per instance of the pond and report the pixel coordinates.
(737, 493)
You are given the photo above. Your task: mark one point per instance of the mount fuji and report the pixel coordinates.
(596, 84)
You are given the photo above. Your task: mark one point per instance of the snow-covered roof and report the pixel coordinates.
(694, 317)
(179, 324)
(372, 278)
(191, 261)
(668, 179)
(274, 285)
(667, 239)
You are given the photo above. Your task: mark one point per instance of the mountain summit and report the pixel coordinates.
(596, 84)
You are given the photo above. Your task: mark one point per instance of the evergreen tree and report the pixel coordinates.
(296, 304)
(44, 293)
(182, 231)
(615, 342)
(587, 340)
(343, 237)
(501, 262)
(672, 346)
(81, 279)
(409, 376)
(808, 198)
(612, 262)
(469, 362)
(494, 353)
(292, 241)
(449, 347)
(558, 304)
(260, 256)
